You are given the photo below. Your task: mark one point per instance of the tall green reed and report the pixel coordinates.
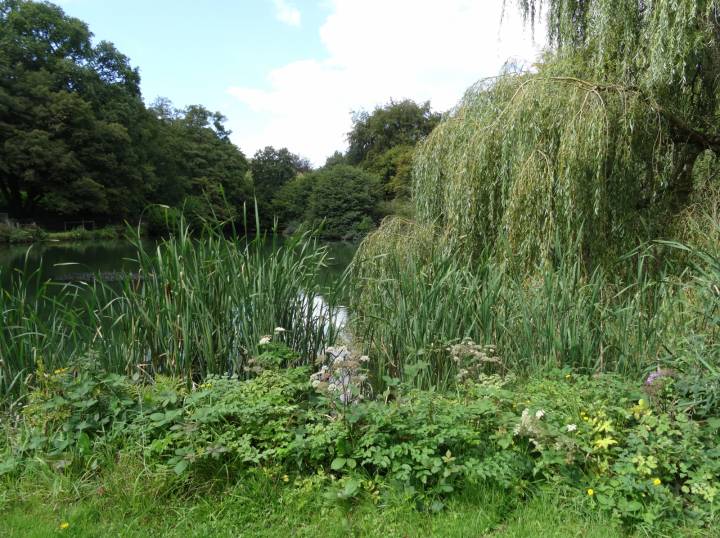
(198, 303)
(411, 302)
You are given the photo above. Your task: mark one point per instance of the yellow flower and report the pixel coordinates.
(286, 478)
(605, 442)
(591, 492)
(64, 525)
(656, 481)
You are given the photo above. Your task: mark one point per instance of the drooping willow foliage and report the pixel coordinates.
(593, 150)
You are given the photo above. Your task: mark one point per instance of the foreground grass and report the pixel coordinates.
(125, 503)
(264, 509)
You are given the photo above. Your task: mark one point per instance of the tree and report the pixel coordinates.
(271, 169)
(384, 141)
(65, 114)
(290, 204)
(394, 124)
(77, 140)
(196, 164)
(344, 198)
(595, 150)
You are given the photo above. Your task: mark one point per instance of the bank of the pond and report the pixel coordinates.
(16, 234)
(302, 453)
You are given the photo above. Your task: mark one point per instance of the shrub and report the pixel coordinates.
(73, 407)
(641, 456)
(160, 220)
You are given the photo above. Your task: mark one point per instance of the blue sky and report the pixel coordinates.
(289, 72)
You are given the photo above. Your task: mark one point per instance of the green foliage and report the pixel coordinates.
(77, 139)
(394, 167)
(340, 200)
(290, 204)
(68, 143)
(398, 123)
(196, 306)
(271, 169)
(632, 452)
(512, 168)
(414, 297)
(343, 199)
(25, 234)
(71, 408)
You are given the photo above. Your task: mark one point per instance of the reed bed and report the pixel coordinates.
(411, 303)
(197, 305)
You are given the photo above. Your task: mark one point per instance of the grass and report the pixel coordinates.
(120, 505)
(263, 507)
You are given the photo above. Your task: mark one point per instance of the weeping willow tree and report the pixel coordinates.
(595, 148)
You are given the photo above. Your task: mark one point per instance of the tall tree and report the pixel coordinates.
(595, 149)
(65, 113)
(383, 142)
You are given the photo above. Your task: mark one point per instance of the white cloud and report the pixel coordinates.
(377, 50)
(287, 13)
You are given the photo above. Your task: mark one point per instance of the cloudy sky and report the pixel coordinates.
(290, 72)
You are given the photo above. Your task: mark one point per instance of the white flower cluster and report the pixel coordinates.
(471, 358)
(341, 375)
(529, 424)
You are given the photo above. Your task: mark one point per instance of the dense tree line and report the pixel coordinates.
(77, 141)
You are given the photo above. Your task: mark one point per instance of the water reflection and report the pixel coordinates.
(64, 260)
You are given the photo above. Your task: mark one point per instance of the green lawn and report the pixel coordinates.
(130, 504)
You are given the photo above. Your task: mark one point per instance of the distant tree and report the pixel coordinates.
(396, 123)
(66, 110)
(196, 164)
(344, 198)
(394, 168)
(335, 159)
(291, 201)
(271, 169)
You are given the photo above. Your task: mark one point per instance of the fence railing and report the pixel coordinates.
(74, 224)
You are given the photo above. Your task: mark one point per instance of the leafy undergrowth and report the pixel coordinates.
(322, 454)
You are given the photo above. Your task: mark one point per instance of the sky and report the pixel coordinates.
(289, 73)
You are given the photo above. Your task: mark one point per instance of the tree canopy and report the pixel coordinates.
(76, 138)
(595, 148)
(383, 141)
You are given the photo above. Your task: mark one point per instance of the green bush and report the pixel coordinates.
(632, 450)
(74, 407)
(160, 221)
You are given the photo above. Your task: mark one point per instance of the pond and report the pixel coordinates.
(63, 261)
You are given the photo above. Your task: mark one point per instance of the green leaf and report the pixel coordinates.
(338, 463)
(181, 466)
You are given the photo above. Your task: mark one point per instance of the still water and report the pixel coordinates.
(60, 261)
